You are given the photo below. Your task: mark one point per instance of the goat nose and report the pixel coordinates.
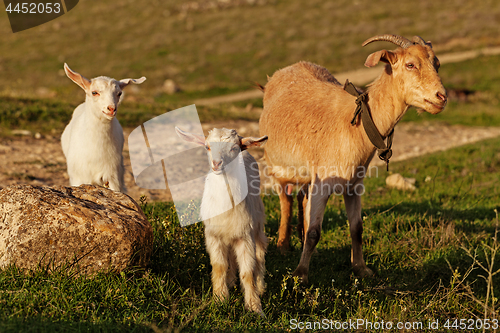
(441, 97)
(111, 108)
(216, 164)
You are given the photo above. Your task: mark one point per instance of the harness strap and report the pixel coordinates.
(384, 151)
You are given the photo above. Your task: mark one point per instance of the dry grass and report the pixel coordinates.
(225, 46)
(490, 251)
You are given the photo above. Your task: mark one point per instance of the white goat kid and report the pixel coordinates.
(307, 116)
(234, 237)
(93, 140)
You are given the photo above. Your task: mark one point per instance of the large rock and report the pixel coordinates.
(91, 226)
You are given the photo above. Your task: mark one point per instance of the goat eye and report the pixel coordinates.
(410, 66)
(119, 94)
(95, 93)
(207, 148)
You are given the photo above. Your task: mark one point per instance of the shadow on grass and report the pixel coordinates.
(410, 260)
(466, 220)
(22, 325)
(330, 270)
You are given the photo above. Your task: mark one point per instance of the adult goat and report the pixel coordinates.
(307, 117)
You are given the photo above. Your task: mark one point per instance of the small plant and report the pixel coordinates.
(490, 254)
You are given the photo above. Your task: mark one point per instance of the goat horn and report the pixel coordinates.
(419, 40)
(395, 39)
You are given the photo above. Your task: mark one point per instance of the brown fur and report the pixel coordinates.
(311, 141)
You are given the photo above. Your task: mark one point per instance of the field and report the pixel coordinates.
(435, 251)
(431, 249)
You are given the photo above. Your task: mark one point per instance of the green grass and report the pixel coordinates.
(414, 241)
(220, 51)
(35, 115)
(207, 50)
(478, 75)
(51, 116)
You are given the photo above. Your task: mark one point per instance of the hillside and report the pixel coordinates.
(211, 47)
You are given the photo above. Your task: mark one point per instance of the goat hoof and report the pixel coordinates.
(221, 297)
(302, 274)
(258, 311)
(255, 307)
(283, 247)
(363, 272)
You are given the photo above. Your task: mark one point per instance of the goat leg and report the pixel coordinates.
(302, 203)
(286, 202)
(353, 209)
(313, 218)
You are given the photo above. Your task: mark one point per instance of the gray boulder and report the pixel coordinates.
(90, 227)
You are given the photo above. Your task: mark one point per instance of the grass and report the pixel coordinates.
(211, 52)
(420, 244)
(46, 115)
(52, 114)
(434, 250)
(224, 49)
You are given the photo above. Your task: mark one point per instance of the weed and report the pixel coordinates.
(490, 252)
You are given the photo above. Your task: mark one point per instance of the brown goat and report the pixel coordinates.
(307, 117)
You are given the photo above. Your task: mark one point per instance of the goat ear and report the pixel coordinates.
(125, 82)
(190, 137)
(383, 55)
(79, 79)
(252, 142)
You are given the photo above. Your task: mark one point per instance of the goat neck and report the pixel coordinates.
(386, 104)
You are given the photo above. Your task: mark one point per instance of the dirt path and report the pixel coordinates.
(359, 77)
(26, 160)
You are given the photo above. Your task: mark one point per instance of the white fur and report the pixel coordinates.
(92, 142)
(234, 235)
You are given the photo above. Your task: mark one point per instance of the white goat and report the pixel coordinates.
(233, 235)
(307, 116)
(93, 140)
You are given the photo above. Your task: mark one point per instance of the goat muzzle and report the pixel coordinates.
(438, 106)
(217, 167)
(110, 111)
(442, 97)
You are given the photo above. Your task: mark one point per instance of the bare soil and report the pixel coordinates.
(26, 160)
